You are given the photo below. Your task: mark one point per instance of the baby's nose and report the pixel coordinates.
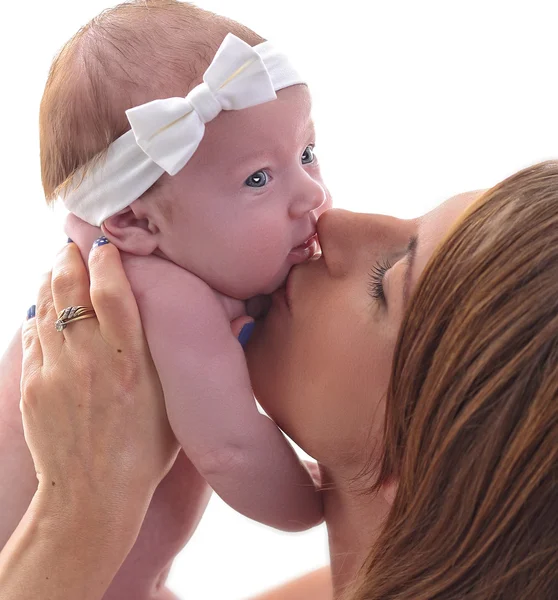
(309, 196)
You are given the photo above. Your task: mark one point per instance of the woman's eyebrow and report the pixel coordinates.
(411, 253)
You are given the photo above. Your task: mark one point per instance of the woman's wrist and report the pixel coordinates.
(66, 548)
(110, 518)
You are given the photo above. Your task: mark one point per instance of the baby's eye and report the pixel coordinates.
(257, 179)
(308, 155)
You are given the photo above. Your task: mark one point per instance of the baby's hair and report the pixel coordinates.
(133, 53)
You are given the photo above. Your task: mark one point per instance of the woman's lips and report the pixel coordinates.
(305, 251)
(281, 295)
(288, 290)
(309, 250)
(284, 293)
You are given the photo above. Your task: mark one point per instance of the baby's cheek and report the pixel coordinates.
(273, 249)
(270, 244)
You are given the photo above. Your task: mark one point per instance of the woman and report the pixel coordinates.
(464, 303)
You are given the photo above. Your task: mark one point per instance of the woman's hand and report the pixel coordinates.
(93, 409)
(96, 425)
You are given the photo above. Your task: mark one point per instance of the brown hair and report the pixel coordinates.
(131, 54)
(472, 411)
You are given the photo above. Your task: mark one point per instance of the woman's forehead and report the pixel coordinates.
(435, 225)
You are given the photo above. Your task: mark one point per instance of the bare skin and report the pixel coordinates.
(58, 557)
(76, 460)
(171, 520)
(219, 242)
(331, 321)
(169, 523)
(328, 325)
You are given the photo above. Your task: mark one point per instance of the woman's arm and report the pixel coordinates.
(64, 552)
(96, 426)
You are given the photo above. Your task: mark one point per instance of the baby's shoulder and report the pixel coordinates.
(157, 278)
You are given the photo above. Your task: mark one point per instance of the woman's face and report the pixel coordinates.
(320, 362)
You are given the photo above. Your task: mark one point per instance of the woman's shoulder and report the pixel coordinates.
(315, 585)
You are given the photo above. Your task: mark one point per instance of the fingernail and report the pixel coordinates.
(246, 333)
(70, 240)
(100, 242)
(31, 312)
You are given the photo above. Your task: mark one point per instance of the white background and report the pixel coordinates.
(414, 102)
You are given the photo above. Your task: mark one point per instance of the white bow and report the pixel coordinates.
(169, 131)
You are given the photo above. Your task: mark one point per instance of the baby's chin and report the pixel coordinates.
(277, 283)
(249, 285)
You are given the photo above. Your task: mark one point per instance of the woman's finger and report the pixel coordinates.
(70, 287)
(32, 351)
(242, 328)
(112, 296)
(50, 340)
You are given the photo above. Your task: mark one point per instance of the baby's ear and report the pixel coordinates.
(130, 233)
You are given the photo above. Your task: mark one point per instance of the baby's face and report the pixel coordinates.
(245, 207)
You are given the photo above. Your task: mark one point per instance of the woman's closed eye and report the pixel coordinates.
(376, 279)
(402, 263)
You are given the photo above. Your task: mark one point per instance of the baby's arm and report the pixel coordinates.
(240, 452)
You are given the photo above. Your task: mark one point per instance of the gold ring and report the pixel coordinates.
(71, 314)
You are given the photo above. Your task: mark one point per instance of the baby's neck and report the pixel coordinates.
(84, 235)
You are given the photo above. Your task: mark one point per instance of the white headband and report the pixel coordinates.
(166, 133)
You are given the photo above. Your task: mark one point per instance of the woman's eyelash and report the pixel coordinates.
(376, 279)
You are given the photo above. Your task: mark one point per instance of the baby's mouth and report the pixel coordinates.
(308, 250)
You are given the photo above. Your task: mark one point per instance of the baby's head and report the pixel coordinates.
(239, 213)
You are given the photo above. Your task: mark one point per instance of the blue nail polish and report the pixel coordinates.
(31, 312)
(246, 333)
(70, 240)
(100, 242)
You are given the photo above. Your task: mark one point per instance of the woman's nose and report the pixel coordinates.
(308, 196)
(355, 240)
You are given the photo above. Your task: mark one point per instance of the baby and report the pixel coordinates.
(212, 196)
